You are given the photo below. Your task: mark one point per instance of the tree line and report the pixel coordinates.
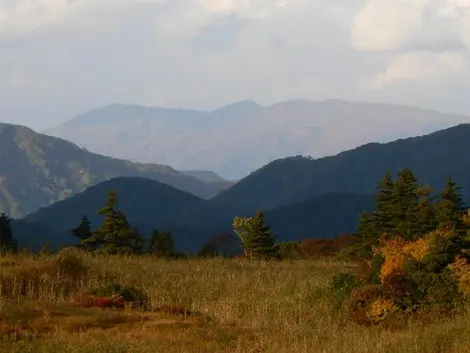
(404, 208)
(408, 210)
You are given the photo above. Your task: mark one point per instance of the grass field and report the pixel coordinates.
(214, 305)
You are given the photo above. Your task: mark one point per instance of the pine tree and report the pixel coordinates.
(366, 235)
(115, 234)
(425, 212)
(7, 241)
(405, 205)
(256, 237)
(83, 232)
(450, 208)
(162, 244)
(383, 215)
(379, 222)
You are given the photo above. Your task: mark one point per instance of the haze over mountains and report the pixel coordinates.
(237, 139)
(37, 170)
(301, 197)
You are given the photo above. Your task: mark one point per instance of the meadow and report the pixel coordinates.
(207, 305)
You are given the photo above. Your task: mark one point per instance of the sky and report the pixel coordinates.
(59, 58)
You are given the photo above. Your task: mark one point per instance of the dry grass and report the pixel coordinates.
(236, 306)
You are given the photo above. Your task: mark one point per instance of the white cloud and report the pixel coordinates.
(425, 67)
(386, 25)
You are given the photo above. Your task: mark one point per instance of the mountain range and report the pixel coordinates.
(47, 184)
(37, 170)
(283, 182)
(237, 139)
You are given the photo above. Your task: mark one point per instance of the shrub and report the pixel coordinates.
(341, 287)
(115, 291)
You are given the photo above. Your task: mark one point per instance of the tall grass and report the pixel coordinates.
(240, 306)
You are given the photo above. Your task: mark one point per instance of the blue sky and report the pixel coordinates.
(59, 58)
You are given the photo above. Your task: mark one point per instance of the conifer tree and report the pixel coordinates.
(366, 235)
(425, 214)
(83, 232)
(162, 244)
(7, 241)
(115, 234)
(383, 216)
(256, 237)
(450, 207)
(405, 204)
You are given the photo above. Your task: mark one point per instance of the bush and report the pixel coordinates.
(341, 287)
(409, 276)
(370, 304)
(115, 291)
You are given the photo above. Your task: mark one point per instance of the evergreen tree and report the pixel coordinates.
(366, 235)
(404, 206)
(7, 241)
(383, 216)
(256, 237)
(115, 234)
(162, 244)
(83, 232)
(450, 208)
(425, 214)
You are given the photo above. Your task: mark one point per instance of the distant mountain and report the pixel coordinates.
(149, 204)
(288, 181)
(206, 176)
(239, 138)
(37, 170)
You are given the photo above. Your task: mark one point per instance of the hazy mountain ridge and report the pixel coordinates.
(237, 139)
(37, 170)
(283, 182)
(149, 205)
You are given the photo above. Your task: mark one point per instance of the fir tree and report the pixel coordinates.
(162, 244)
(425, 212)
(404, 206)
(366, 235)
(383, 216)
(115, 234)
(7, 241)
(83, 232)
(256, 237)
(450, 208)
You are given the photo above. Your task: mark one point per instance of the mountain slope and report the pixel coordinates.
(239, 138)
(206, 176)
(37, 170)
(147, 204)
(322, 217)
(283, 182)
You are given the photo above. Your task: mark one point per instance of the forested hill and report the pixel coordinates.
(37, 170)
(432, 157)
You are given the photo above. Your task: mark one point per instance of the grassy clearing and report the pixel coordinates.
(216, 305)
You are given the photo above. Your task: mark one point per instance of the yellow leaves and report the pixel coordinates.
(379, 309)
(418, 249)
(242, 225)
(461, 270)
(397, 251)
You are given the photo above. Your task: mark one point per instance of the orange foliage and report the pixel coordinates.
(316, 248)
(396, 251)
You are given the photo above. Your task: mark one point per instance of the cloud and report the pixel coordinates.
(62, 57)
(384, 25)
(423, 67)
